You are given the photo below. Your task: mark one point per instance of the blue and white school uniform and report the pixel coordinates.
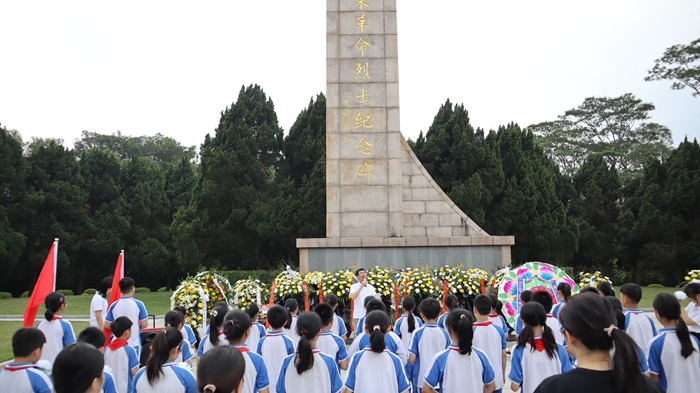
(676, 373)
(377, 372)
(333, 346)
(185, 352)
(338, 327)
(122, 361)
(519, 326)
(292, 331)
(188, 334)
(492, 341)
(175, 379)
(323, 377)
(554, 324)
(205, 345)
(108, 384)
(530, 366)
(401, 329)
(274, 348)
(360, 325)
(133, 309)
(428, 340)
(24, 377)
(255, 377)
(441, 319)
(257, 331)
(557, 307)
(450, 371)
(640, 327)
(498, 321)
(58, 333)
(393, 342)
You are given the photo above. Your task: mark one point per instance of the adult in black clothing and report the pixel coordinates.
(589, 324)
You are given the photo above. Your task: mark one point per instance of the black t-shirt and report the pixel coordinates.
(586, 381)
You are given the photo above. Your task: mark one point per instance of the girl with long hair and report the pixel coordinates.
(257, 331)
(589, 325)
(59, 332)
(563, 294)
(338, 327)
(404, 328)
(292, 307)
(451, 303)
(674, 355)
(237, 329)
(460, 367)
(537, 355)
(691, 313)
(221, 370)
(162, 374)
(309, 370)
(78, 369)
(174, 319)
(98, 304)
(215, 334)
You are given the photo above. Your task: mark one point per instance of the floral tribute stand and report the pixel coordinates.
(533, 276)
(198, 295)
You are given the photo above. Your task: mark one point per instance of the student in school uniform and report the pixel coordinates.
(537, 355)
(215, 336)
(674, 355)
(329, 343)
(187, 331)
(58, 331)
(237, 327)
(22, 375)
(292, 307)
(309, 370)
(545, 299)
(405, 326)
(428, 340)
(490, 339)
(375, 369)
(637, 324)
(121, 357)
(221, 370)
(162, 373)
(275, 346)
(95, 337)
(496, 318)
(127, 306)
(461, 367)
(98, 304)
(79, 368)
(525, 297)
(564, 294)
(338, 328)
(174, 319)
(691, 313)
(394, 344)
(257, 330)
(452, 303)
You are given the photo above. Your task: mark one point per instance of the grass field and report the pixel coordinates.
(157, 303)
(648, 294)
(7, 329)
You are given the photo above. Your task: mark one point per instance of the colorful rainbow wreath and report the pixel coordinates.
(533, 276)
(198, 295)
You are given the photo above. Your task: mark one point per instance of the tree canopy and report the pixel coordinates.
(680, 64)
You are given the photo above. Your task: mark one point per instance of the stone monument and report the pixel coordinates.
(382, 206)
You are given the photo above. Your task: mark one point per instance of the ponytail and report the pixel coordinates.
(291, 305)
(217, 319)
(53, 302)
(308, 326)
(376, 324)
(625, 361)
(667, 306)
(163, 343)
(533, 314)
(236, 324)
(409, 304)
(461, 322)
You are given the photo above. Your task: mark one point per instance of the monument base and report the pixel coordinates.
(490, 253)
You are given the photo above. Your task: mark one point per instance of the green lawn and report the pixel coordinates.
(648, 295)
(157, 303)
(7, 329)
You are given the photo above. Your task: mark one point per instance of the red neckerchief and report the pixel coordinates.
(242, 347)
(493, 315)
(56, 317)
(118, 343)
(19, 367)
(550, 316)
(483, 323)
(539, 344)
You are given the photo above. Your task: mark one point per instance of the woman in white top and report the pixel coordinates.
(78, 368)
(161, 373)
(691, 314)
(221, 370)
(98, 305)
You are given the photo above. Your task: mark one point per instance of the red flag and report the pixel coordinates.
(306, 296)
(444, 294)
(116, 293)
(45, 284)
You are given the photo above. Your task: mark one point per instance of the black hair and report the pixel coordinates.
(93, 336)
(533, 314)
(174, 319)
(367, 299)
(236, 324)
(668, 307)
(359, 269)
(308, 326)
(277, 316)
(376, 323)
(606, 289)
(409, 304)
(252, 309)
(451, 302)
(163, 343)
(589, 318)
(482, 304)
(632, 291)
(76, 367)
(126, 284)
(104, 286)
(27, 340)
(291, 305)
(325, 311)
(543, 298)
(526, 296)
(617, 309)
(589, 289)
(565, 290)
(53, 302)
(375, 304)
(430, 308)
(183, 310)
(222, 367)
(461, 322)
(692, 290)
(120, 326)
(217, 319)
(495, 303)
(330, 299)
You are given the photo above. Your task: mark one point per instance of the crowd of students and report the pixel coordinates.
(595, 342)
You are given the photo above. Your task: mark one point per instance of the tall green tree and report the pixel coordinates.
(680, 64)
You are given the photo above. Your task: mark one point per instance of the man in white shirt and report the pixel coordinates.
(358, 292)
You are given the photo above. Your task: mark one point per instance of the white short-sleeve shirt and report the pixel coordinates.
(491, 340)
(450, 371)
(323, 377)
(122, 360)
(359, 309)
(401, 329)
(640, 327)
(98, 303)
(205, 345)
(255, 378)
(676, 373)
(274, 348)
(174, 379)
(694, 314)
(257, 331)
(133, 309)
(24, 377)
(59, 333)
(376, 372)
(528, 367)
(428, 340)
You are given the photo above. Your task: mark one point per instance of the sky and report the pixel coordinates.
(171, 67)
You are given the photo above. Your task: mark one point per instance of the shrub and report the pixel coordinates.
(24, 294)
(66, 292)
(265, 276)
(89, 291)
(143, 290)
(163, 289)
(5, 295)
(655, 286)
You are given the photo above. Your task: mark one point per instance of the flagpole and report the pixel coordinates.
(55, 263)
